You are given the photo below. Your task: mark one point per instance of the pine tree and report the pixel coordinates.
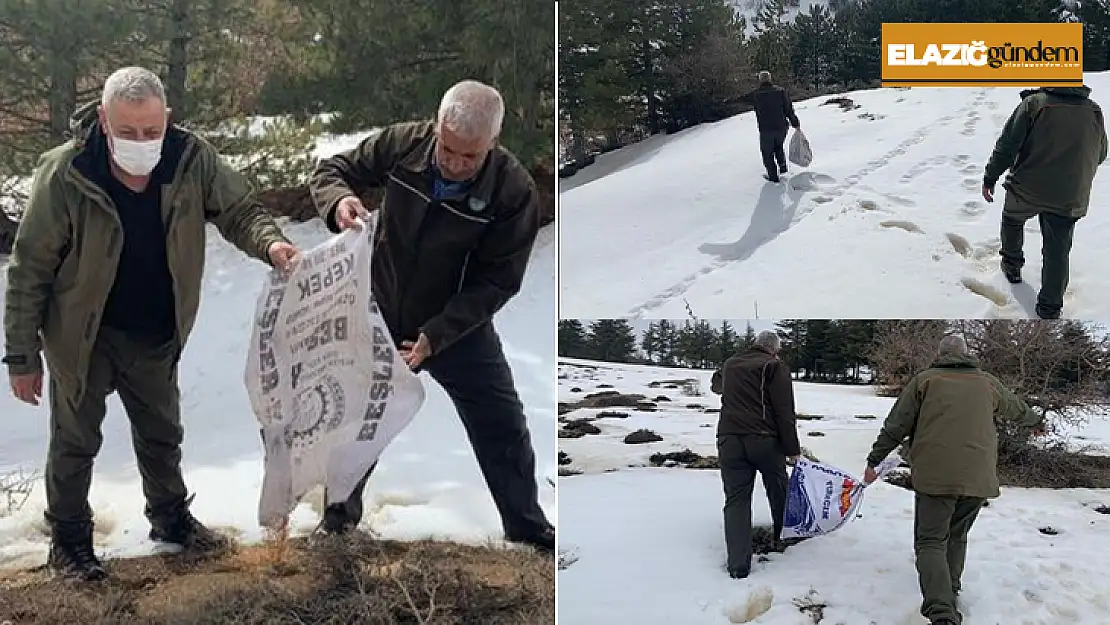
(612, 340)
(573, 340)
(726, 344)
(749, 338)
(816, 47)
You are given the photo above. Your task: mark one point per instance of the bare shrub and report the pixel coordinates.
(15, 489)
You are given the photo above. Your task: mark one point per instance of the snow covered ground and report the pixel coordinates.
(428, 483)
(887, 222)
(656, 534)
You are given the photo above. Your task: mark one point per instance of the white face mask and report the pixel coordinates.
(137, 158)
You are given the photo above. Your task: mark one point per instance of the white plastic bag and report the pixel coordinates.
(325, 380)
(822, 498)
(800, 152)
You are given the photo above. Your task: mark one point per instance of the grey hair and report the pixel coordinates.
(952, 345)
(768, 340)
(764, 76)
(472, 109)
(133, 84)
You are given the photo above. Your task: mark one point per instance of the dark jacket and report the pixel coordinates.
(69, 243)
(1053, 144)
(773, 109)
(757, 398)
(439, 267)
(948, 414)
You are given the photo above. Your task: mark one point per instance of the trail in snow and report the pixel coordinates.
(888, 221)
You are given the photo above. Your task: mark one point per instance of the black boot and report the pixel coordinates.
(738, 574)
(175, 524)
(771, 177)
(336, 522)
(1013, 274)
(542, 541)
(71, 552)
(782, 168)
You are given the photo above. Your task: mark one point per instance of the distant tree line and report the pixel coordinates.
(1054, 355)
(630, 68)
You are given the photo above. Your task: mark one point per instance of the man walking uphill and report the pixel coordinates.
(774, 114)
(105, 282)
(948, 414)
(1052, 144)
(457, 224)
(756, 433)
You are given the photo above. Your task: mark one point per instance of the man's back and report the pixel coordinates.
(954, 446)
(1066, 142)
(773, 109)
(757, 398)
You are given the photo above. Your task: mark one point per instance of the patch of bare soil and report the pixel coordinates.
(578, 428)
(763, 541)
(340, 580)
(642, 436)
(686, 459)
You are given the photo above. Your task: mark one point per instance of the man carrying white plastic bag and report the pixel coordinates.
(324, 377)
(822, 498)
(800, 152)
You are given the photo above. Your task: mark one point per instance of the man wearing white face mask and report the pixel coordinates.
(104, 281)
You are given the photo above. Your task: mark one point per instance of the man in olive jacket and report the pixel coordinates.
(1053, 144)
(456, 228)
(774, 114)
(948, 414)
(104, 280)
(756, 433)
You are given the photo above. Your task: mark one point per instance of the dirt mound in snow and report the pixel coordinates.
(686, 459)
(296, 202)
(359, 580)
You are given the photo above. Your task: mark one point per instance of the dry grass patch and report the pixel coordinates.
(338, 580)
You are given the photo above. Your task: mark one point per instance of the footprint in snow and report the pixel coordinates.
(987, 291)
(908, 226)
(758, 604)
(959, 243)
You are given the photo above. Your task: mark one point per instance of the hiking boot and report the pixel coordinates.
(335, 521)
(542, 541)
(738, 574)
(71, 553)
(176, 524)
(1047, 314)
(771, 177)
(1013, 274)
(782, 169)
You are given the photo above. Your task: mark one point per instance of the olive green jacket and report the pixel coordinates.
(1053, 144)
(68, 244)
(948, 412)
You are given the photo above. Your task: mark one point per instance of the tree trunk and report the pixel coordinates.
(177, 59)
(62, 99)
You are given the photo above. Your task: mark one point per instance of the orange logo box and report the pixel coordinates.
(977, 55)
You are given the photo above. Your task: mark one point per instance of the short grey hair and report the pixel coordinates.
(764, 76)
(953, 345)
(768, 340)
(472, 109)
(133, 84)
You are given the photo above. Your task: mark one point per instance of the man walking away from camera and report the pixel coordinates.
(457, 224)
(774, 114)
(1052, 144)
(756, 433)
(948, 414)
(105, 282)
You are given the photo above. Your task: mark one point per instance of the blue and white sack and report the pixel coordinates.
(822, 498)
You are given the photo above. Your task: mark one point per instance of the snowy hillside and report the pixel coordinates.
(428, 483)
(888, 221)
(658, 532)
